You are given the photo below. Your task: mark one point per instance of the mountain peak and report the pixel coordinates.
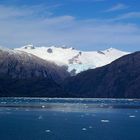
(8, 50)
(74, 59)
(112, 49)
(29, 46)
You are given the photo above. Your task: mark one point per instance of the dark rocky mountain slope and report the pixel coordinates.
(120, 79)
(23, 74)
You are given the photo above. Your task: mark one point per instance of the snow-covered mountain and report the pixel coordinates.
(22, 65)
(25, 75)
(76, 60)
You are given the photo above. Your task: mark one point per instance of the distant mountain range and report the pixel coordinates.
(75, 60)
(58, 72)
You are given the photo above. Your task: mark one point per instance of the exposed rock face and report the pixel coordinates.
(23, 74)
(120, 79)
(50, 50)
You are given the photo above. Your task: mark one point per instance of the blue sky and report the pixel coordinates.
(83, 24)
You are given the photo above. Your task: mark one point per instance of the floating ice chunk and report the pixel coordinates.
(90, 127)
(26, 109)
(40, 117)
(48, 131)
(3, 102)
(84, 129)
(105, 121)
(87, 114)
(102, 105)
(43, 106)
(130, 99)
(132, 116)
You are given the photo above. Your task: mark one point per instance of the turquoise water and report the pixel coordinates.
(69, 119)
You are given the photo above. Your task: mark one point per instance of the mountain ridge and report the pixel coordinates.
(23, 74)
(76, 60)
(120, 79)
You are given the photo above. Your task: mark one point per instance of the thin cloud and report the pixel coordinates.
(129, 15)
(121, 17)
(66, 29)
(22, 11)
(117, 7)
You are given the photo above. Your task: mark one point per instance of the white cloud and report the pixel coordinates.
(29, 28)
(129, 15)
(117, 7)
(7, 12)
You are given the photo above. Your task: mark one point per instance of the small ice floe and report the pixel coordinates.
(8, 109)
(130, 99)
(90, 127)
(102, 105)
(84, 129)
(48, 131)
(81, 99)
(3, 102)
(43, 106)
(85, 106)
(87, 114)
(40, 117)
(132, 116)
(104, 121)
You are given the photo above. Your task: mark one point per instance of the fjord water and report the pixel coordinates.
(69, 119)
